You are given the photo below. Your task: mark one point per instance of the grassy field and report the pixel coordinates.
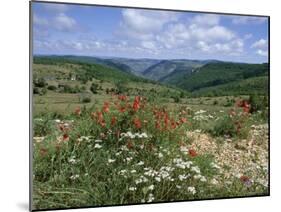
(148, 143)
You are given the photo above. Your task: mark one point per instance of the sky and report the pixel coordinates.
(64, 29)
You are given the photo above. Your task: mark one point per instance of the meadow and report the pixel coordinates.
(103, 137)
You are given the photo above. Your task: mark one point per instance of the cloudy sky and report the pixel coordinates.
(136, 33)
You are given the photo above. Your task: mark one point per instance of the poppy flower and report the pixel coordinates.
(122, 97)
(105, 107)
(129, 144)
(102, 123)
(136, 104)
(244, 178)
(173, 124)
(113, 121)
(122, 109)
(65, 137)
(192, 152)
(157, 124)
(137, 123)
(183, 120)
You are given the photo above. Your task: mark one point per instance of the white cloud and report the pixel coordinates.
(207, 19)
(63, 22)
(262, 52)
(262, 44)
(39, 20)
(211, 33)
(143, 21)
(248, 20)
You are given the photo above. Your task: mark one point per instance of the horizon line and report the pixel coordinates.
(140, 58)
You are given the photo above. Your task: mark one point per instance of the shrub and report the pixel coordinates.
(51, 87)
(224, 126)
(40, 82)
(176, 99)
(86, 100)
(258, 103)
(215, 102)
(36, 90)
(43, 91)
(94, 88)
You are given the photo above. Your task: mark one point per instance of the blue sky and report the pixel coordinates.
(136, 33)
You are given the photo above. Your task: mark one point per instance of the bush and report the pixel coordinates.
(94, 88)
(176, 99)
(258, 103)
(86, 100)
(43, 91)
(69, 89)
(41, 82)
(51, 87)
(215, 102)
(36, 90)
(224, 126)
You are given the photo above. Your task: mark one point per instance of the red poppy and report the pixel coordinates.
(183, 120)
(192, 152)
(122, 109)
(157, 124)
(122, 97)
(105, 107)
(113, 120)
(173, 124)
(136, 104)
(137, 123)
(129, 144)
(246, 107)
(102, 123)
(244, 178)
(65, 137)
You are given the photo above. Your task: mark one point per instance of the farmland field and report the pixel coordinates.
(100, 140)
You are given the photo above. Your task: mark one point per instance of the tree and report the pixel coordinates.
(94, 88)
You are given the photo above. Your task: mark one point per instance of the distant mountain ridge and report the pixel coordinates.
(198, 76)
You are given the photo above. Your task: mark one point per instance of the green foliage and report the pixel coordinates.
(121, 87)
(224, 126)
(40, 82)
(258, 85)
(51, 87)
(36, 90)
(258, 103)
(94, 88)
(65, 88)
(214, 74)
(176, 98)
(86, 100)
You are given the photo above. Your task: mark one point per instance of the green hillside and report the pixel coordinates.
(253, 85)
(87, 70)
(166, 69)
(214, 74)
